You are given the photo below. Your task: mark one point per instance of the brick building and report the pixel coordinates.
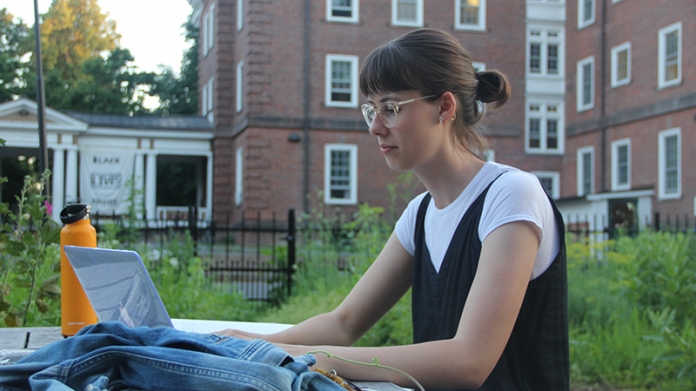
(279, 83)
(630, 105)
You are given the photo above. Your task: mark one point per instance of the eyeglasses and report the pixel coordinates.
(387, 111)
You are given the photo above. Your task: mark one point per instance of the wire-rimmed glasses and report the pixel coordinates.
(386, 111)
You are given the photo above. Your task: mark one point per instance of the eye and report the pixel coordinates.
(389, 109)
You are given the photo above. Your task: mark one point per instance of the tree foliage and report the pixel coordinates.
(84, 67)
(15, 43)
(179, 95)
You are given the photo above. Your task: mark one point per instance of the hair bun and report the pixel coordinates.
(492, 87)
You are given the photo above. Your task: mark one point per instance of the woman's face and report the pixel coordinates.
(414, 138)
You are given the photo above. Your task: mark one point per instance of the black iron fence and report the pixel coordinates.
(255, 256)
(600, 227)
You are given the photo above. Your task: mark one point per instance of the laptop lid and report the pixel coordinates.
(118, 286)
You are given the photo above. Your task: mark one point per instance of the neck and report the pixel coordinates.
(447, 177)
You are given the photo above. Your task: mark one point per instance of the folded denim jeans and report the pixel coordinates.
(111, 356)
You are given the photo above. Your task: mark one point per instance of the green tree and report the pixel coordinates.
(72, 32)
(109, 86)
(179, 95)
(15, 43)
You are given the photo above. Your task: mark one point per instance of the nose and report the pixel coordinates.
(377, 128)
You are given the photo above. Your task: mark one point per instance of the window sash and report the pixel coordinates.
(587, 173)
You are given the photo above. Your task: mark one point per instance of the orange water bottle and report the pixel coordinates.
(76, 310)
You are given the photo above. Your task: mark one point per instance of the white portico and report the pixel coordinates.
(93, 157)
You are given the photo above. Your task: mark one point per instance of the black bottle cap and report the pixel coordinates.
(74, 212)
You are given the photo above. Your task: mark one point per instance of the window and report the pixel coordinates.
(208, 33)
(341, 80)
(585, 84)
(340, 175)
(210, 92)
(239, 177)
(670, 55)
(550, 180)
(204, 99)
(342, 11)
(586, 13)
(585, 171)
(240, 14)
(544, 55)
(669, 163)
(621, 164)
(470, 14)
(240, 86)
(544, 133)
(407, 13)
(621, 64)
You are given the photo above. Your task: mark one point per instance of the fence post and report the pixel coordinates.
(656, 222)
(292, 239)
(193, 227)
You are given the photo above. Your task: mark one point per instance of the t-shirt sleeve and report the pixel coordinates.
(515, 196)
(406, 225)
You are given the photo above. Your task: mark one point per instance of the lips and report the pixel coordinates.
(385, 148)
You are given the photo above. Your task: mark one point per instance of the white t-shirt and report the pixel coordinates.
(515, 196)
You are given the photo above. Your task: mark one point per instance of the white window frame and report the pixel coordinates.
(354, 12)
(204, 33)
(580, 81)
(580, 169)
(489, 155)
(204, 99)
(481, 26)
(239, 176)
(419, 15)
(555, 177)
(544, 39)
(615, 81)
(582, 20)
(209, 30)
(544, 115)
(661, 60)
(662, 164)
(353, 80)
(210, 98)
(240, 15)
(615, 145)
(353, 150)
(239, 98)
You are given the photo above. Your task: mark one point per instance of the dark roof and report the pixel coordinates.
(151, 122)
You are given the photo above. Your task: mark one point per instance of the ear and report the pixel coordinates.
(448, 106)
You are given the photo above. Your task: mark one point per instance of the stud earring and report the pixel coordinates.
(453, 117)
(441, 119)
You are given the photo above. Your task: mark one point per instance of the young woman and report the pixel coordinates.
(482, 249)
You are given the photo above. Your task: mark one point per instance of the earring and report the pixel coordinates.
(441, 119)
(453, 117)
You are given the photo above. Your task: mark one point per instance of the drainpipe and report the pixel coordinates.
(602, 94)
(307, 93)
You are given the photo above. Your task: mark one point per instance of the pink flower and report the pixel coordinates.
(49, 208)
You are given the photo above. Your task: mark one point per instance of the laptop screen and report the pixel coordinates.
(118, 285)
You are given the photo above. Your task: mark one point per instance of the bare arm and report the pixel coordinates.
(384, 283)
(489, 315)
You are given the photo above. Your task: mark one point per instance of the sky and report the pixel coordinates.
(151, 29)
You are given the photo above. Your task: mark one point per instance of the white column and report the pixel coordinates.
(151, 186)
(139, 176)
(71, 176)
(209, 187)
(58, 182)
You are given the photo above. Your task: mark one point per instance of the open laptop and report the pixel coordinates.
(119, 288)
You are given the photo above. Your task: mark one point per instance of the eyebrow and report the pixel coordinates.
(385, 99)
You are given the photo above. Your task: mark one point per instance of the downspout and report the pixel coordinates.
(307, 93)
(602, 95)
